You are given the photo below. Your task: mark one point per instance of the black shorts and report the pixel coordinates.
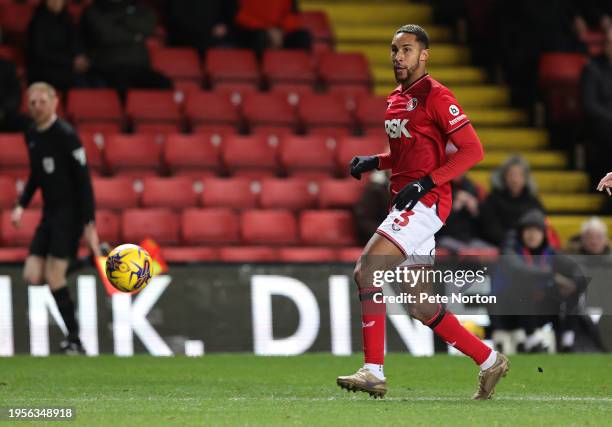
(58, 235)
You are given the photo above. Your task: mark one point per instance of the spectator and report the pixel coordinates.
(55, 52)
(596, 89)
(10, 99)
(592, 240)
(372, 207)
(270, 24)
(201, 24)
(535, 286)
(115, 33)
(462, 228)
(512, 195)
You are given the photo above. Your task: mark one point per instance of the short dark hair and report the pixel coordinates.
(418, 31)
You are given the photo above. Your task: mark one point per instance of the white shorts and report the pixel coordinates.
(413, 233)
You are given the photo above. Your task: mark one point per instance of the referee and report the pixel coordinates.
(58, 167)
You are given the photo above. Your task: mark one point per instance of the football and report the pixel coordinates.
(128, 268)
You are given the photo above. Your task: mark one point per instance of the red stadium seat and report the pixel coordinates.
(8, 192)
(132, 154)
(340, 193)
(158, 129)
(307, 255)
(340, 68)
(333, 132)
(108, 226)
(13, 151)
(268, 227)
(21, 236)
(157, 106)
(14, 20)
(12, 255)
(370, 111)
(93, 144)
(294, 194)
(231, 65)
(349, 147)
(350, 254)
(288, 66)
(192, 153)
(174, 193)
(210, 226)
(275, 132)
(179, 64)
(317, 23)
(328, 227)
(177, 254)
(269, 109)
(310, 153)
(236, 88)
(115, 193)
(249, 154)
(248, 254)
(211, 108)
(94, 105)
(235, 193)
(99, 127)
(559, 75)
(323, 110)
(161, 225)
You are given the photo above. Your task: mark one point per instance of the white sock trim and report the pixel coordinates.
(489, 362)
(377, 370)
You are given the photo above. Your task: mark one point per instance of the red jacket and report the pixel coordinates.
(264, 14)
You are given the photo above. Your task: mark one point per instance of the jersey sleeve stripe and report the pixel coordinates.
(457, 128)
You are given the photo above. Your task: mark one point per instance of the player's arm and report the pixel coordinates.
(362, 164)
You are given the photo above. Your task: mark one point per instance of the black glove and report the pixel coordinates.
(408, 196)
(361, 164)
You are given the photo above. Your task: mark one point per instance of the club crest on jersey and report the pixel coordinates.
(395, 128)
(412, 104)
(48, 164)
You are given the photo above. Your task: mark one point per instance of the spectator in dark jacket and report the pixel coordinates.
(115, 33)
(597, 105)
(201, 24)
(270, 24)
(10, 99)
(55, 52)
(512, 195)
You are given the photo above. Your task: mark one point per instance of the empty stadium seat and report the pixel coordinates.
(235, 193)
(248, 254)
(340, 68)
(370, 111)
(312, 153)
(180, 64)
(161, 225)
(327, 227)
(133, 155)
(350, 254)
(14, 20)
(8, 192)
(192, 153)
(349, 147)
(307, 255)
(340, 193)
(249, 155)
(288, 66)
(108, 226)
(115, 193)
(294, 194)
(323, 110)
(231, 65)
(173, 193)
(559, 75)
(14, 155)
(176, 254)
(21, 236)
(210, 226)
(92, 143)
(157, 106)
(317, 23)
(94, 105)
(214, 108)
(269, 109)
(99, 127)
(268, 227)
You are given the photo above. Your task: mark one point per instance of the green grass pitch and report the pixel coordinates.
(243, 390)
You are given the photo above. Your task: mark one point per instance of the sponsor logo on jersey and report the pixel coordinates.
(395, 128)
(48, 164)
(453, 109)
(412, 104)
(457, 119)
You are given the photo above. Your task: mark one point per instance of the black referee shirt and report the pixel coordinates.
(58, 166)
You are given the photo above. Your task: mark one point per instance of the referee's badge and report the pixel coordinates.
(412, 104)
(48, 164)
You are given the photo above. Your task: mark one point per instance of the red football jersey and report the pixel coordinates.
(419, 121)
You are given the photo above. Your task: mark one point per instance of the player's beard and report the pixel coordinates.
(409, 73)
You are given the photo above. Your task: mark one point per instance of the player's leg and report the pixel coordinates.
(34, 270)
(380, 254)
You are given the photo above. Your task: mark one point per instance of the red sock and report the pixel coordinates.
(373, 316)
(447, 327)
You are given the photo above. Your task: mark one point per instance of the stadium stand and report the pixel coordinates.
(255, 227)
